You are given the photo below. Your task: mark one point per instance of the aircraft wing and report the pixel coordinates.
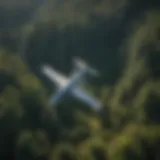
(54, 76)
(81, 94)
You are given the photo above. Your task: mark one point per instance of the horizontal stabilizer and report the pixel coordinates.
(80, 64)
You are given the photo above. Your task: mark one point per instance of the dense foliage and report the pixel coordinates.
(121, 39)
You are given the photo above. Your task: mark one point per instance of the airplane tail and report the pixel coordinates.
(79, 63)
(94, 72)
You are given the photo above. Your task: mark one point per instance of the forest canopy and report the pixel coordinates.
(121, 39)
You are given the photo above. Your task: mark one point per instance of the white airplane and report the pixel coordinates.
(73, 84)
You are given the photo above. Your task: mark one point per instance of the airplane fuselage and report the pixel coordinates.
(64, 89)
(72, 85)
(77, 78)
